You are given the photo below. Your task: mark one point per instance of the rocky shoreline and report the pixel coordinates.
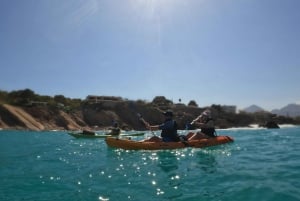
(100, 116)
(25, 110)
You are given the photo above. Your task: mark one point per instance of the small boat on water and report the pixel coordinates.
(129, 144)
(103, 135)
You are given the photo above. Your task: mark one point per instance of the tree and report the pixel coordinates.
(193, 103)
(161, 100)
(60, 99)
(21, 97)
(3, 96)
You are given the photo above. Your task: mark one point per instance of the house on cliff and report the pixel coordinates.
(98, 99)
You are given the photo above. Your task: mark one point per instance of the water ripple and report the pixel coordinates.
(260, 164)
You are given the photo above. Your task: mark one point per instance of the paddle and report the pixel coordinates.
(188, 126)
(144, 122)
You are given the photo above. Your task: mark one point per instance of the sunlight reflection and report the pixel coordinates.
(159, 191)
(103, 199)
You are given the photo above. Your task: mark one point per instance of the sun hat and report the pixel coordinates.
(206, 113)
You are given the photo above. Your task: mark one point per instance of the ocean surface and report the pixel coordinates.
(262, 164)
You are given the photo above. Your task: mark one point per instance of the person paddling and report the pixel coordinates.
(206, 125)
(168, 129)
(115, 130)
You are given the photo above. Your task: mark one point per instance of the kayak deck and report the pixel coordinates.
(142, 145)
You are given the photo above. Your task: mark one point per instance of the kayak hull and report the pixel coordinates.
(81, 135)
(141, 145)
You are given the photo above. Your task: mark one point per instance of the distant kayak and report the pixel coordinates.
(141, 145)
(101, 135)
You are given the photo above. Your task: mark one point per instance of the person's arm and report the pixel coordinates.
(209, 124)
(152, 128)
(199, 124)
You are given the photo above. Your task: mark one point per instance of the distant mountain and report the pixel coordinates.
(253, 108)
(291, 110)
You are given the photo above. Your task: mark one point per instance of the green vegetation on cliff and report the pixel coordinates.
(60, 112)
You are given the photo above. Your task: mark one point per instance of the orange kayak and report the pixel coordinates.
(141, 145)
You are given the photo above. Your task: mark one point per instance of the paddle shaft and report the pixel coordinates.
(195, 120)
(145, 123)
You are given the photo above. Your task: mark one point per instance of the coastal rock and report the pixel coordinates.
(99, 116)
(271, 124)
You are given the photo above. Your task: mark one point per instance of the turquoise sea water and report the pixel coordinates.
(260, 165)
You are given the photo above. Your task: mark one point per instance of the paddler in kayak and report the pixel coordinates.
(115, 130)
(168, 129)
(206, 125)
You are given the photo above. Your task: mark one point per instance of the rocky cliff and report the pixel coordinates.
(89, 116)
(37, 118)
(101, 115)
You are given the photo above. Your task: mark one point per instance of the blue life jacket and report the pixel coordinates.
(169, 131)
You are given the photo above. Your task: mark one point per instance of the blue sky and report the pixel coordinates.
(228, 52)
